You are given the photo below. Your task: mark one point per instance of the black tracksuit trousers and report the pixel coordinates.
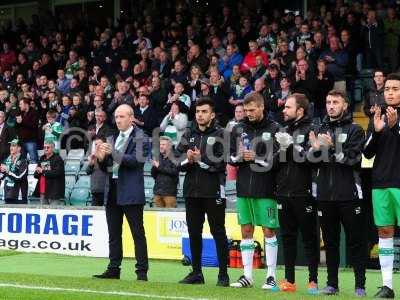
(196, 208)
(299, 214)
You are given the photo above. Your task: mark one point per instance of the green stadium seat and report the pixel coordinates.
(79, 197)
(76, 154)
(148, 182)
(72, 167)
(83, 182)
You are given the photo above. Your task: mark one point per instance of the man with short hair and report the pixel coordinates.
(203, 189)
(51, 176)
(383, 142)
(336, 150)
(253, 149)
(298, 210)
(144, 116)
(375, 96)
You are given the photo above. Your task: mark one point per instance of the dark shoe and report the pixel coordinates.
(223, 280)
(193, 278)
(384, 293)
(142, 277)
(109, 274)
(330, 291)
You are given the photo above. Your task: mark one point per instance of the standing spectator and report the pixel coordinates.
(7, 57)
(336, 60)
(294, 186)
(285, 56)
(383, 144)
(124, 191)
(97, 175)
(202, 190)
(337, 146)
(162, 65)
(280, 100)
(375, 97)
(158, 97)
(178, 95)
(7, 134)
(51, 176)
(166, 176)
(325, 82)
(304, 81)
(373, 37)
(195, 57)
(255, 185)
(14, 172)
(27, 128)
(63, 84)
(227, 61)
(392, 33)
(240, 91)
(72, 65)
(144, 116)
(174, 124)
(239, 116)
(53, 130)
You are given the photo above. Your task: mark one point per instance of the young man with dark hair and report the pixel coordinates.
(383, 142)
(252, 150)
(375, 95)
(298, 210)
(336, 152)
(203, 189)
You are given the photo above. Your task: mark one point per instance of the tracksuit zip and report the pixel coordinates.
(251, 173)
(197, 173)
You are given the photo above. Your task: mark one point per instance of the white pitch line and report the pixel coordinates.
(114, 293)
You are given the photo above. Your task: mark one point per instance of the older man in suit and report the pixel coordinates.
(122, 157)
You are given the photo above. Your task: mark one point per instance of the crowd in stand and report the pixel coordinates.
(62, 79)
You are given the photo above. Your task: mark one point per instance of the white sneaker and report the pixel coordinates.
(270, 284)
(242, 282)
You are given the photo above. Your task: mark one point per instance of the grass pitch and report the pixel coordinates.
(53, 277)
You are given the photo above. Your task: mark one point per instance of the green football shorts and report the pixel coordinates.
(257, 212)
(386, 204)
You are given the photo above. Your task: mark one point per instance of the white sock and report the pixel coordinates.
(271, 255)
(386, 257)
(247, 250)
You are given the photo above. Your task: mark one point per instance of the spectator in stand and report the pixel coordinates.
(240, 91)
(52, 130)
(303, 81)
(14, 172)
(392, 33)
(7, 134)
(144, 116)
(166, 176)
(231, 58)
(27, 129)
(336, 60)
(376, 95)
(258, 71)
(196, 57)
(7, 57)
(373, 38)
(239, 116)
(250, 58)
(162, 65)
(178, 95)
(219, 93)
(325, 83)
(174, 124)
(51, 176)
(178, 74)
(273, 78)
(285, 56)
(280, 100)
(97, 175)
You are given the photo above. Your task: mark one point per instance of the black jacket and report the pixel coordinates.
(203, 182)
(6, 136)
(255, 179)
(294, 176)
(16, 179)
(385, 146)
(55, 176)
(337, 167)
(166, 177)
(373, 97)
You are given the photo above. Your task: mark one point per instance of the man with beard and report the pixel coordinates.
(298, 208)
(336, 152)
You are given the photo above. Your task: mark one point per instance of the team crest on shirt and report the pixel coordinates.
(342, 137)
(266, 136)
(211, 140)
(300, 139)
(191, 140)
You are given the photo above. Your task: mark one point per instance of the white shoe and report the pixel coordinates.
(242, 282)
(270, 284)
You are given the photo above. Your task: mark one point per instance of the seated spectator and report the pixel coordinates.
(196, 57)
(273, 78)
(178, 74)
(166, 176)
(239, 115)
(174, 124)
(51, 176)
(240, 91)
(250, 58)
(63, 111)
(285, 56)
(162, 65)
(231, 58)
(97, 175)
(14, 173)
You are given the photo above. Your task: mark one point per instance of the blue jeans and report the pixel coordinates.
(31, 149)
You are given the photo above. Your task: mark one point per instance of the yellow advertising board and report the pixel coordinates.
(165, 229)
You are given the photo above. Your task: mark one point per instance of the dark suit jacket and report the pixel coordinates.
(7, 134)
(130, 182)
(149, 117)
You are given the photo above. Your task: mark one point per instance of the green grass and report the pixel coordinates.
(75, 272)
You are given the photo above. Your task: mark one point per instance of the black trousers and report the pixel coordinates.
(299, 214)
(134, 215)
(350, 214)
(196, 208)
(97, 199)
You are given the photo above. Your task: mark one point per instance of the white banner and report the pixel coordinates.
(61, 231)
